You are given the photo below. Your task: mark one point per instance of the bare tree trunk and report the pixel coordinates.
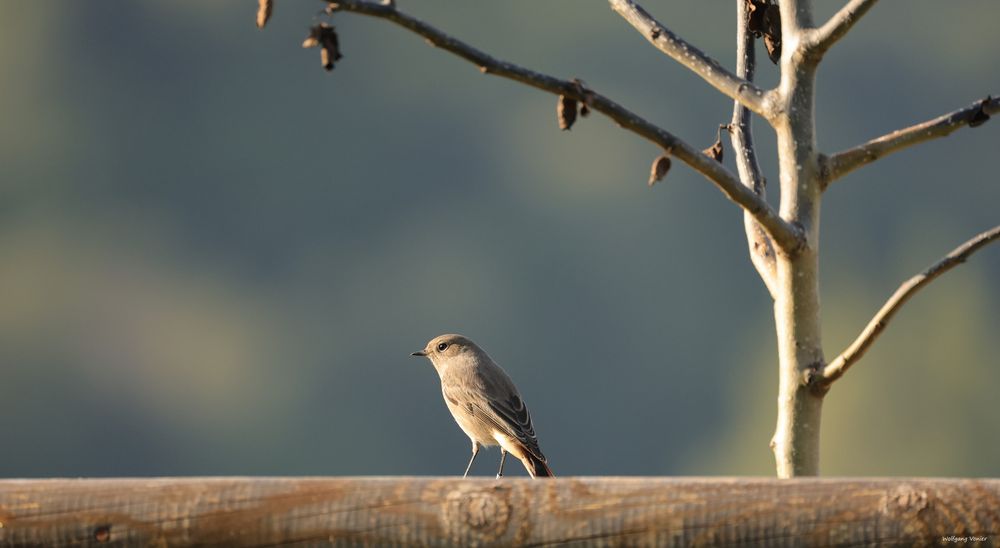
(796, 315)
(796, 307)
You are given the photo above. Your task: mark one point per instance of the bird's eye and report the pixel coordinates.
(442, 346)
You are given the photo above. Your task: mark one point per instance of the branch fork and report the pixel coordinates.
(737, 88)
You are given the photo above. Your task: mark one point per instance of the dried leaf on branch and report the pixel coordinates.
(325, 37)
(715, 151)
(772, 32)
(764, 20)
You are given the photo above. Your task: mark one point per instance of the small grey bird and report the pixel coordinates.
(485, 402)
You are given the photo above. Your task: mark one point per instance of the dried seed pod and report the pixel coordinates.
(979, 117)
(584, 110)
(659, 169)
(324, 36)
(264, 8)
(566, 112)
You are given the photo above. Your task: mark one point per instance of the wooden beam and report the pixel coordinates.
(510, 511)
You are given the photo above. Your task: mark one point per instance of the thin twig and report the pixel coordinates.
(738, 89)
(844, 162)
(788, 237)
(741, 136)
(857, 349)
(838, 25)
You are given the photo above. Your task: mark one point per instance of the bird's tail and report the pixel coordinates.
(537, 467)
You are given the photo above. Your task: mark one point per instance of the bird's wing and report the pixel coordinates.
(515, 415)
(502, 410)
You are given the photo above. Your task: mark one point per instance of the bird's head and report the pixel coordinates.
(442, 349)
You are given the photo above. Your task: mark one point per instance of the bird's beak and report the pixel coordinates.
(419, 353)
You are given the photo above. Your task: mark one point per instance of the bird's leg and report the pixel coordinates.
(503, 455)
(475, 451)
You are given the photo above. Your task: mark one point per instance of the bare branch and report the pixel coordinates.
(787, 236)
(838, 25)
(741, 136)
(846, 161)
(857, 349)
(709, 69)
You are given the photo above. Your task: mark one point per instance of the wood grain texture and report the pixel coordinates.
(510, 511)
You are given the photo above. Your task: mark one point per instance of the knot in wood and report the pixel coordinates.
(904, 501)
(481, 516)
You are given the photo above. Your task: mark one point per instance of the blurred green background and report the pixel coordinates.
(215, 257)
